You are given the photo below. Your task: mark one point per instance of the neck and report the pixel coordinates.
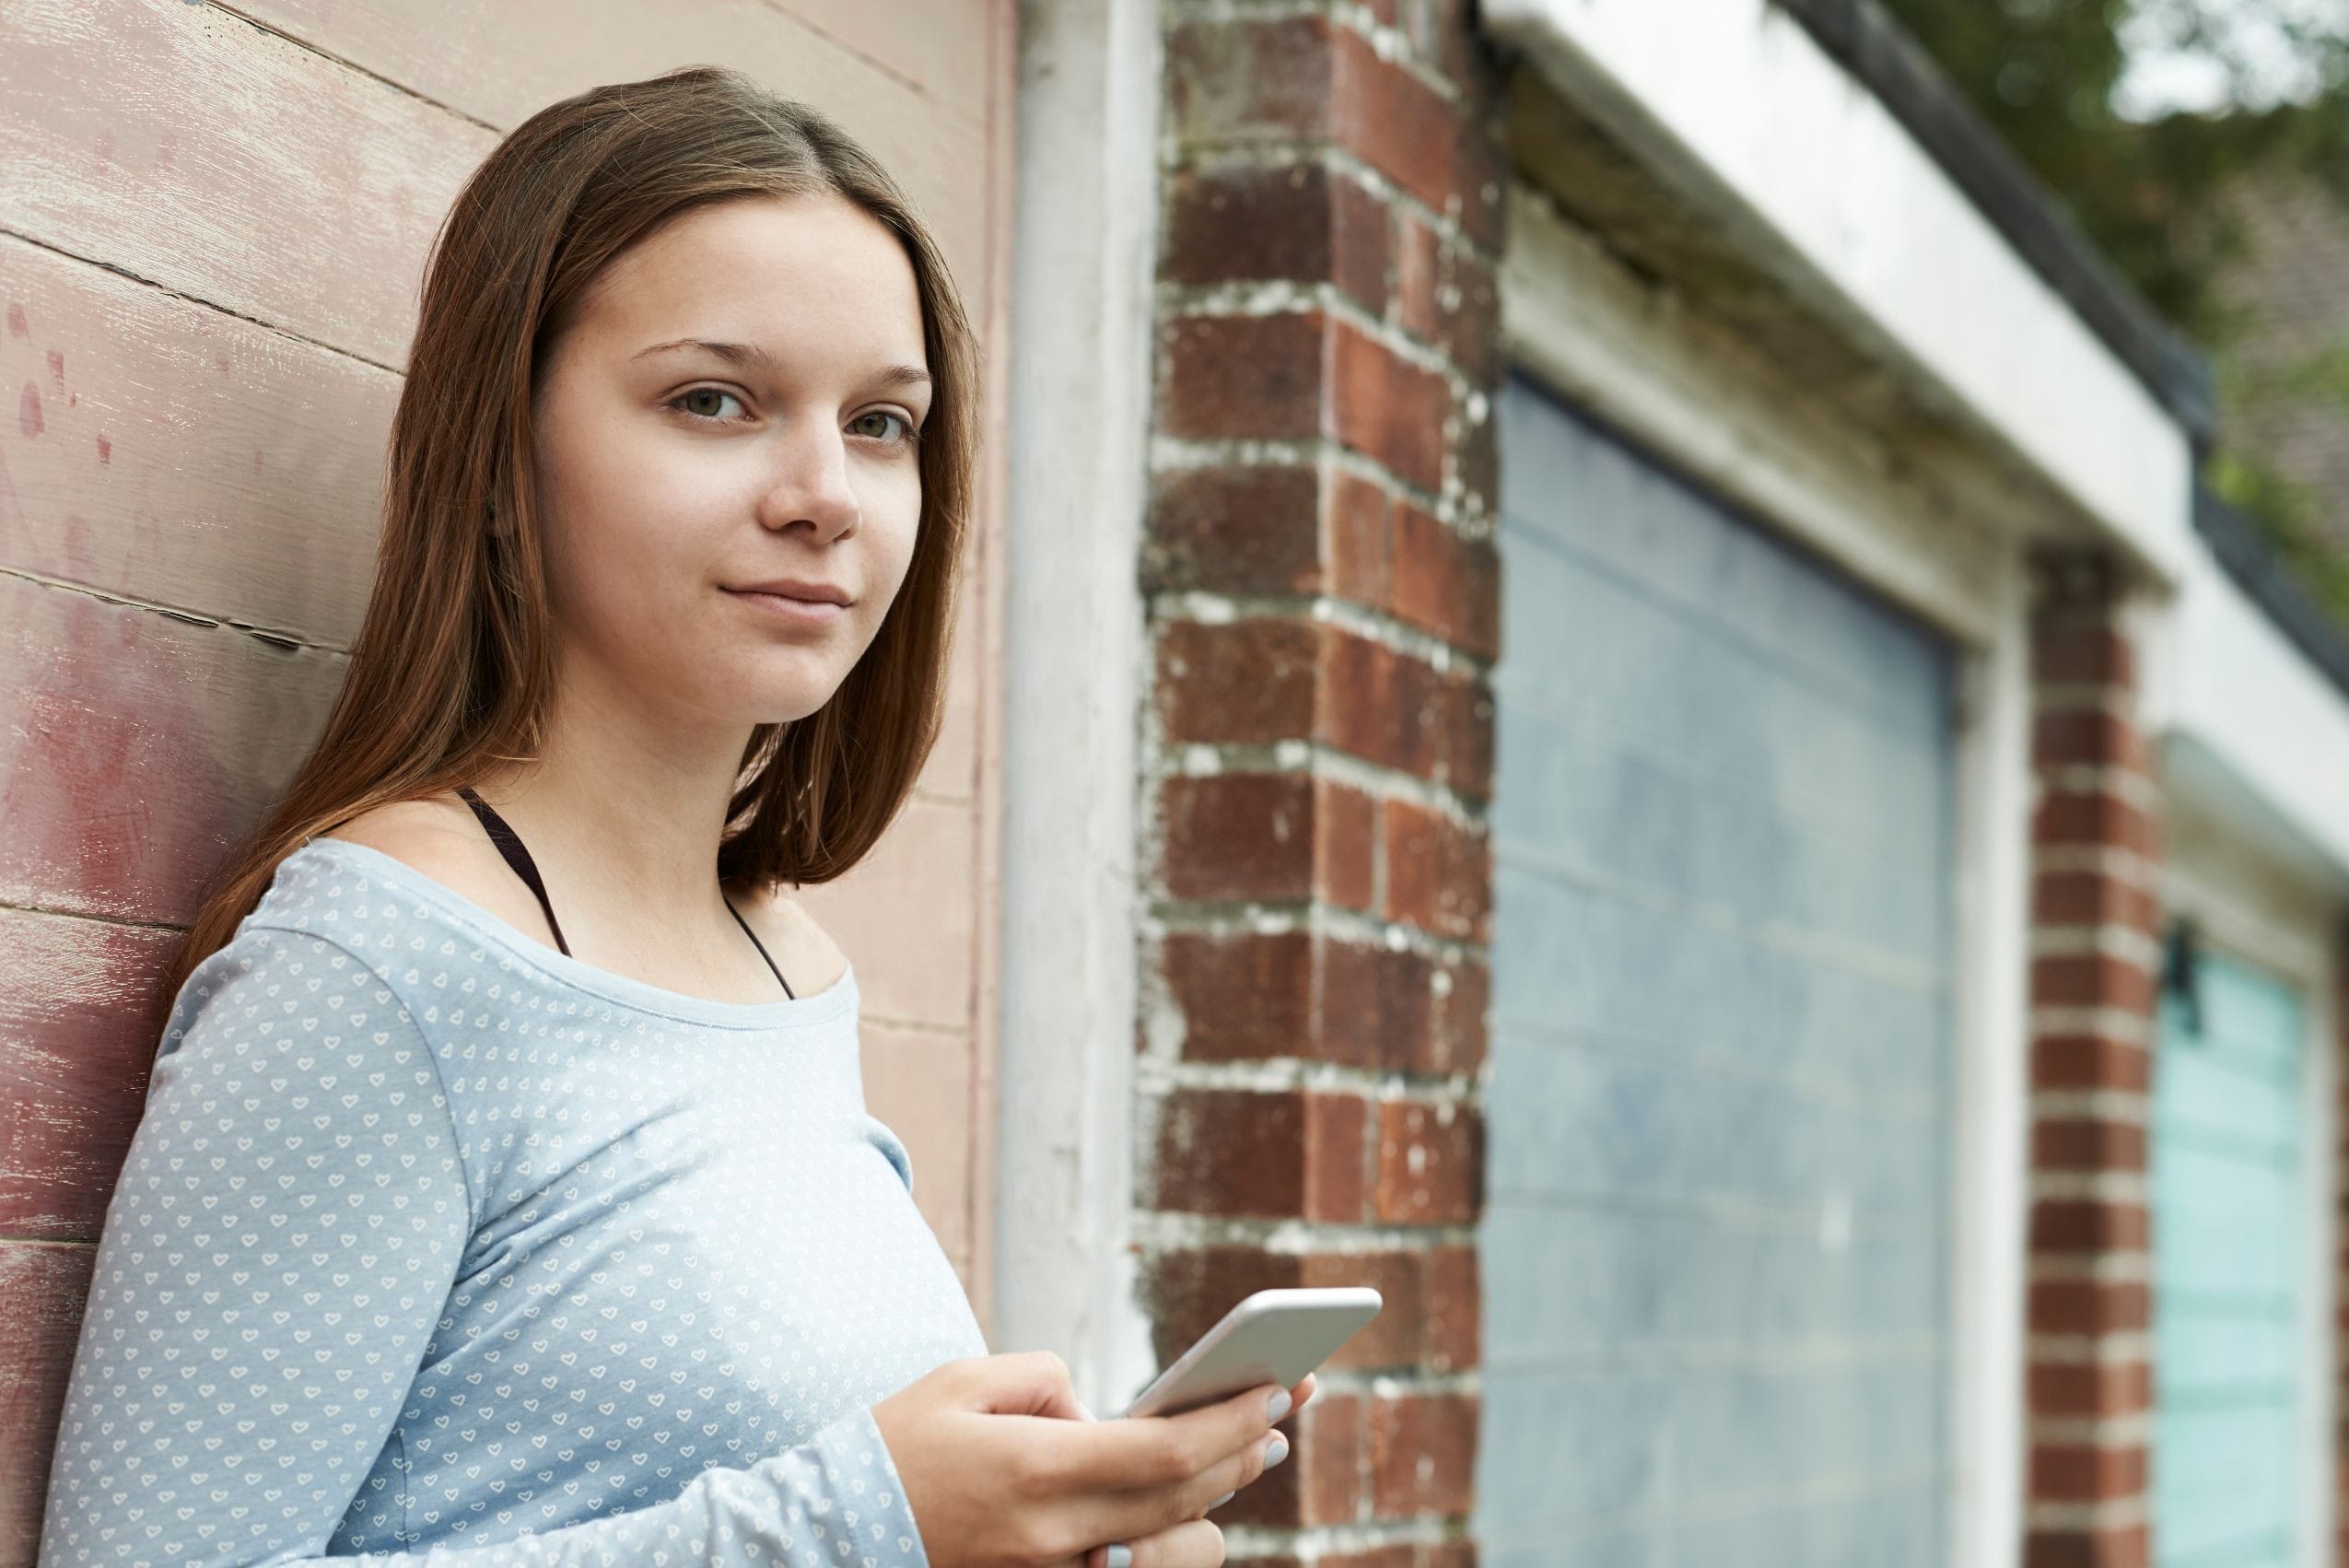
(629, 803)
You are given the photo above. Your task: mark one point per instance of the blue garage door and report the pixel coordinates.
(2228, 1224)
(1716, 1248)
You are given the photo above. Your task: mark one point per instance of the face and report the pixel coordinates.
(735, 405)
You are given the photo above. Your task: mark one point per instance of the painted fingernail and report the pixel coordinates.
(1221, 1501)
(1279, 1403)
(1275, 1451)
(1121, 1557)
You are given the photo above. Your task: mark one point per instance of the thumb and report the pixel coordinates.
(1032, 1383)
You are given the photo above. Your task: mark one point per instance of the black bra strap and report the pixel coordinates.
(509, 845)
(761, 946)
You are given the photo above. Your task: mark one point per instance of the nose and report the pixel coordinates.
(811, 483)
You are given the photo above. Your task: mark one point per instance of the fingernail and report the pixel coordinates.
(1121, 1557)
(1221, 1501)
(1275, 1451)
(1081, 1410)
(1280, 1403)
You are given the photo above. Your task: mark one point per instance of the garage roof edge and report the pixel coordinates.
(1879, 54)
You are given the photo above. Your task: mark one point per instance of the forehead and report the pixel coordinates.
(801, 276)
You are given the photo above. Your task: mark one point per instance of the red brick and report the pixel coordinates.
(2093, 898)
(2092, 979)
(1454, 1552)
(1387, 408)
(2084, 1389)
(1439, 872)
(1300, 223)
(1399, 1554)
(1471, 337)
(2087, 735)
(1281, 1154)
(1380, 998)
(2090, 1306)
(2084, 655)
(1235, 530)
(1446, 584)
(1453, 1309)
(1431, 1163)
(1359, 551)
(1244, 377)
(1423, 1449)
(2091, 817)
(1418, 275)
(1248, 996)
(1465, 758)
(2088, 1143)
(2090, 1062)
(2086, 1473)
(1457, 1029)
(1304, 78)
(1381, 705)
(2107, 1546)
(1250, 682)
(1277, 838)
(2085, 1225)
(1301, 376)
(1475, 462)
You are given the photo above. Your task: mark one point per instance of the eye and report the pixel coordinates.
(719, 393)
(909, 435)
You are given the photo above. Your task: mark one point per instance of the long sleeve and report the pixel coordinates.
(280, 1248)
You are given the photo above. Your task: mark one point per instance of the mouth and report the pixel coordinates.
(789, 607)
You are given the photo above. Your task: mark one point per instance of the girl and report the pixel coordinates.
(459, 1232)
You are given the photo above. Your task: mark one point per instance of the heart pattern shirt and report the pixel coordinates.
(435, 1245)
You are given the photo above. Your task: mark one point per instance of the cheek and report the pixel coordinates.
(620, 526)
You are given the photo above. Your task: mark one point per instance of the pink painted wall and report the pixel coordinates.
(212, 229)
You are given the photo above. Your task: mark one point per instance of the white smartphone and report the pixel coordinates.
(1271, 1336)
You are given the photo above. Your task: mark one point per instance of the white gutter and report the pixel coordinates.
(1731, 104)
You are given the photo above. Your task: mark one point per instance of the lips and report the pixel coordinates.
(795, 588)
(790, 607)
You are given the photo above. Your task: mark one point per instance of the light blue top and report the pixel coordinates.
(435, 1242)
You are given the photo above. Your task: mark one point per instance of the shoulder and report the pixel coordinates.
(440, 838)
(800, 947)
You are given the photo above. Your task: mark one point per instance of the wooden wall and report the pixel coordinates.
(213, 227)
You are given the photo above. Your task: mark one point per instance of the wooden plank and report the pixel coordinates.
(76, 1048)
(918, 1083)
(171, 453)
(905, 918)
(501, 64)
(940, 46)
(42, 1287)
(138, 748)
(183, 145)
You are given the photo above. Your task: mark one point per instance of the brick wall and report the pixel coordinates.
(2095, 977)
(1323, 603)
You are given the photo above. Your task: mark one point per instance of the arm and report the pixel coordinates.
(278, 1253)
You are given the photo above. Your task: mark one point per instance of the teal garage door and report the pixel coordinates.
(1716, 1245)
(2229, 1222)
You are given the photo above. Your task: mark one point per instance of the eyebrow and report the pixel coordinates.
(751, 354)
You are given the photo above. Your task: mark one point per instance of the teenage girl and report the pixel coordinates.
(459, 1232)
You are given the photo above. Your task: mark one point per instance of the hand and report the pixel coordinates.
(1001, 1470)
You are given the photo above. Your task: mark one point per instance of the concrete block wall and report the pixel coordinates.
(2095, 979)
(1323, 605)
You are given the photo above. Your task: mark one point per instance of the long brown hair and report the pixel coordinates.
(453, 666)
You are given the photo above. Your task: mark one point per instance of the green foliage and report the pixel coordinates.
(2151, 193)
